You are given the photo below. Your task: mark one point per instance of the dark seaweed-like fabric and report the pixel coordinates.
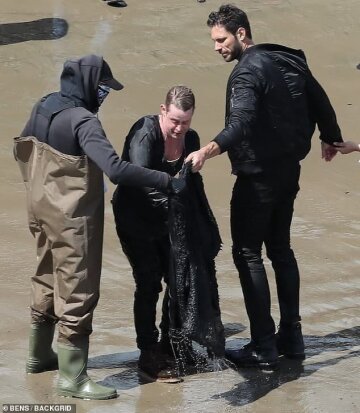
(195, 242)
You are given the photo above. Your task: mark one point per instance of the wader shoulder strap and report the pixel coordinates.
(50, 106)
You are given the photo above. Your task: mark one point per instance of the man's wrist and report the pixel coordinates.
(210, 150)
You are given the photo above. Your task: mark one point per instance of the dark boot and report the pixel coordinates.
(157, 367)
(41, 355)
(73, 379)
(290, 342)
(251, 355)
(182, 353)
(116, 3)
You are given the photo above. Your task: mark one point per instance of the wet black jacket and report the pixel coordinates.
(272, 106)
(142, 212)
(67, 121)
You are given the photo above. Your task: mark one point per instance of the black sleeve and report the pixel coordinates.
(93, 141)
(243, 106)
(322, 111)
(142, 151)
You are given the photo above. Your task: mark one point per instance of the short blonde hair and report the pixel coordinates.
(181, 97)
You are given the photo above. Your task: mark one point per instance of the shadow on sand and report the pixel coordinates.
(129, 376)
(42, 29)
(255, 384)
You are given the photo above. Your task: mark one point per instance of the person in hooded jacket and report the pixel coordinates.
(273, 103)
(62, 154)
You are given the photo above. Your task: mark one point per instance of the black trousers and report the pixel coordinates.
(261, 213)
(149, 259)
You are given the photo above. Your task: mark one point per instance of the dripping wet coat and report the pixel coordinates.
(195, 242)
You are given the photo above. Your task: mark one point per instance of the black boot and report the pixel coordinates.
(251, 355)
(116, 3)
(182, 353)
(290, 342)
(155, 366)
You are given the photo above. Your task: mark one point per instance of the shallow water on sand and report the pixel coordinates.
(150, 47)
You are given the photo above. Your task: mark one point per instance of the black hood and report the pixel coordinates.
(79, 80)
(294, 57)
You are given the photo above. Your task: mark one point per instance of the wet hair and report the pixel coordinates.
(231, 17)
(181, 97)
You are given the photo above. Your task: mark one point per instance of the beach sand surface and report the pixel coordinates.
(150, 46)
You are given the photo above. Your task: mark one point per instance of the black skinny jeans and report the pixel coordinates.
(261, 213)
(149, 259)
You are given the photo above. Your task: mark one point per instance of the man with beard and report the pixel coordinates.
(272, 106)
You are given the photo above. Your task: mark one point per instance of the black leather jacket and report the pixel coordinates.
(273, 104)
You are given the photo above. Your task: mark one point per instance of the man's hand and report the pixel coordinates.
(347, 147)
(199, 157)
(197, 160)
(327, 151)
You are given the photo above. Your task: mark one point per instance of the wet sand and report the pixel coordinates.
(152, 45)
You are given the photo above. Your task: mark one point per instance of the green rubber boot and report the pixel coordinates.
(73, 378)
(41, 355)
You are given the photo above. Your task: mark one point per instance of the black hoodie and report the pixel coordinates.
(66, 121)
